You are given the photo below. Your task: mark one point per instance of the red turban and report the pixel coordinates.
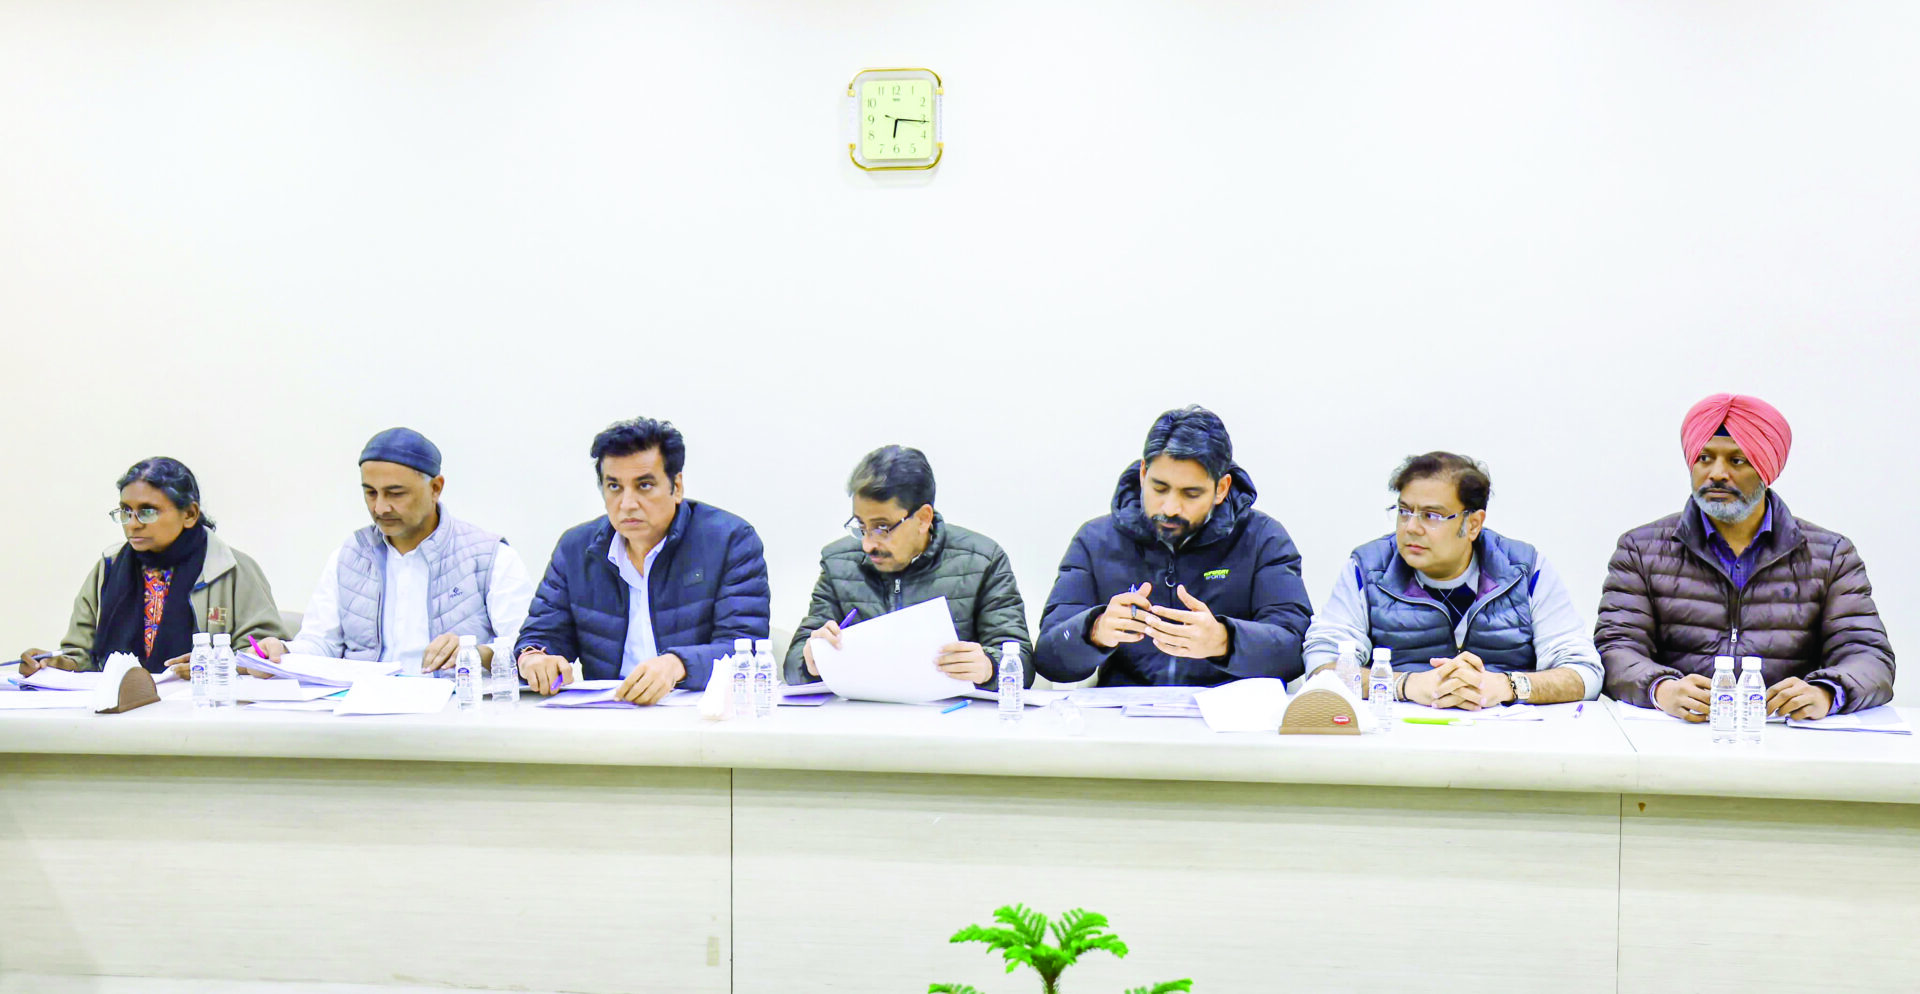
(1760, 431)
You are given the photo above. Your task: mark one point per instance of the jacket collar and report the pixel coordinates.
(1129, 510)
(1781, 539)
(602, 539)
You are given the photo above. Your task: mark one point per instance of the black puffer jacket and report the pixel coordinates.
(967, 568)
(1241, 563)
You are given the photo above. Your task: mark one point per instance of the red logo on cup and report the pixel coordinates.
(1341, 719)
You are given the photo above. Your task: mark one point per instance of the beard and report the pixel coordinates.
(1729, 511)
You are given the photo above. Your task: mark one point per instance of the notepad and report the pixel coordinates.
(891, 658)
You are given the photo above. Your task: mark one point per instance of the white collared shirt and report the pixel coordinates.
(403, 614)
(639, 647)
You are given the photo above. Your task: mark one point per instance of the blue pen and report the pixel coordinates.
(848, 620)
(1582, 706)
(951, 708)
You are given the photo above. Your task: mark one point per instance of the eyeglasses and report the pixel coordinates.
(1405, 515)
(878, 532)
(146, 515)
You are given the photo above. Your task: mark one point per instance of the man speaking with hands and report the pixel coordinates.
(1183, 583)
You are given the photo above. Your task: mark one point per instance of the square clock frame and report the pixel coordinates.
(896, 119)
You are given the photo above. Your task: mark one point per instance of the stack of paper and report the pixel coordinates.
(1120, 697)
(891, 658)
(319, 671)
(49, 678)
(604, 697)
(1883, 719)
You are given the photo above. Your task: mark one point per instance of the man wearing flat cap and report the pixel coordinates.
(1736, 574)
(405, 588)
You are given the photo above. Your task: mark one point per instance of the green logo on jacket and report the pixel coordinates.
(1215, 574)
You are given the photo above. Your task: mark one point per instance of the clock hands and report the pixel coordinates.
(897, 121)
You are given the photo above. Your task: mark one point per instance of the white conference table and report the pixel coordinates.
(836, 848)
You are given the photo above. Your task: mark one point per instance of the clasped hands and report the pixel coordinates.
(1461, 681)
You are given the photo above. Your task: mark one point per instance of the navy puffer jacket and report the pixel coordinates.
(708, 587)
(1241, 563)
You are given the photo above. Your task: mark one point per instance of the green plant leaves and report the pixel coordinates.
(1021, 940)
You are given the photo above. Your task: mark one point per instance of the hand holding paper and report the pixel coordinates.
(893, 657)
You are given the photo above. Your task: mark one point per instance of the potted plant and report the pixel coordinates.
(1021, 938)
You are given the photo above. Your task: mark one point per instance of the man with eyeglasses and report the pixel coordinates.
(1736, 574)
(406, 587)
(1474, 619)
(899, 551)
(1184, 583)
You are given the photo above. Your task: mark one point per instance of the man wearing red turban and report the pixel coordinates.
(1736, 574)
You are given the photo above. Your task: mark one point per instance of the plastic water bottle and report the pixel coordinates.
(1012, 679)
(466, 674)
(1347, 667)
(1753, 701)
(1380, 689)
(763, 678)
(221, 674)
(740, 674)
(1724, 711)
(503, 685)
(197, 666)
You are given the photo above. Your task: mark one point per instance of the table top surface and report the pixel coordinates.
(1595, 752)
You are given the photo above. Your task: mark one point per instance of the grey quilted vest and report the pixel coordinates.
(459, 570)
(1403, 617)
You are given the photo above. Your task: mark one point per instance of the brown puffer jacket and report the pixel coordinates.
(1807, 610)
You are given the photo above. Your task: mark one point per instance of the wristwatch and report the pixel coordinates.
(1522, 687)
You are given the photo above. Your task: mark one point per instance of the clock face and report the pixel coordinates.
(896, 119)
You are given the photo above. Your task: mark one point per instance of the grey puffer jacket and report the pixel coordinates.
(967, 568)
(1807, 611)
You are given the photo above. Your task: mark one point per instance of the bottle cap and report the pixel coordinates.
(1382, 654)
(1749, 661)
(222, 638)
(743, 645)
(763, 645)
(202, 638)
(469, 641)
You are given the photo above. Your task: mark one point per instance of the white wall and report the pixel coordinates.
(250, 235)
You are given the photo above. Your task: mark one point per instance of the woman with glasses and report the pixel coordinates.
(173, 577)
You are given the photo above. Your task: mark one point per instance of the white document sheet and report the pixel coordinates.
(45, 701)
(1030, 696)
(1505, 712)
(1119, 697)
(1632, 712)
(396, 695)
(48, 678)
(890, 658)
(1253, 705)
(1883, 719)
(603, 697)
(319, 671)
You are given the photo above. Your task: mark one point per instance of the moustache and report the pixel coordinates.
(1171, 519)
(1729, 491)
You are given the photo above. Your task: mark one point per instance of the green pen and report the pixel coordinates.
(1438, 721)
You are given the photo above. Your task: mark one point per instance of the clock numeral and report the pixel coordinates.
(871, 101)
(915, 149)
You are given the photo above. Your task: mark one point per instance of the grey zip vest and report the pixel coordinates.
(1403, 617)
(459, 570)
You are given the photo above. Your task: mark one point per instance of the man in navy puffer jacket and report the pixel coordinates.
(1184, 583)
(653, 593)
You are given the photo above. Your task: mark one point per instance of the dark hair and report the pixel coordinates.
(636, 435)
(1193, 433)
(1470, 479)
(170, 477)
(894, 472)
